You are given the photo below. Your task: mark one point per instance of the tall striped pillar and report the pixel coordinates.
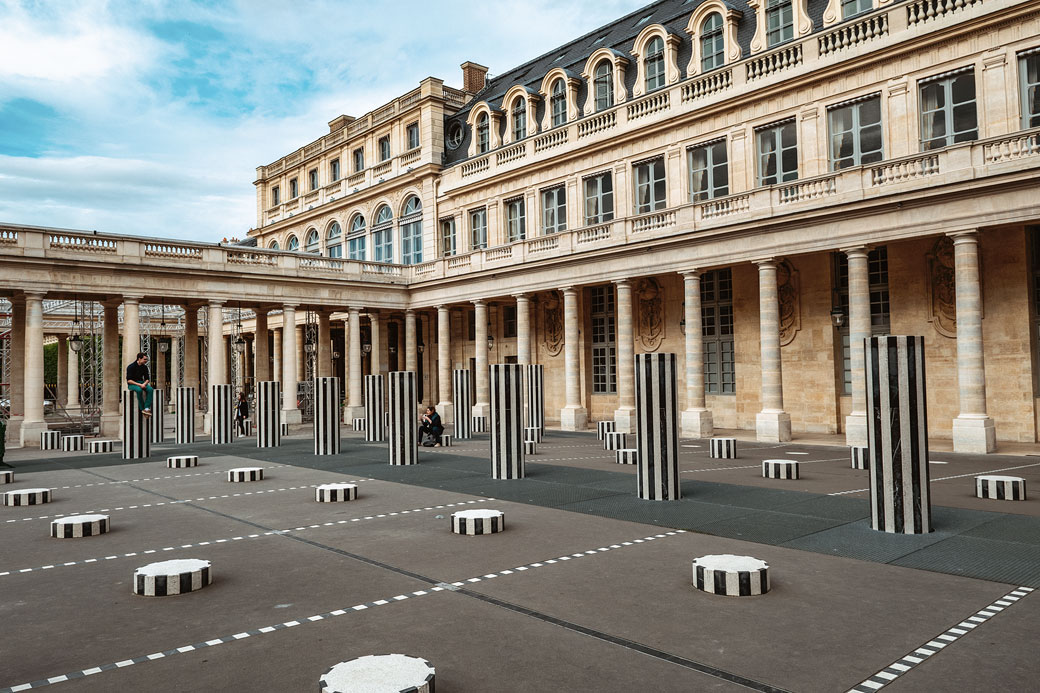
(137, 437)
(462, 398)
(223, 408)
(897, 435)
(268, 414)
(375, 425)
(507, 421)
(534, 391)
(326, 416)
(657, 437)
(403, 418)
(158, 409)
(185, 424)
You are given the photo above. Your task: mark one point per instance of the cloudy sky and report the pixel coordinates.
(150, 118)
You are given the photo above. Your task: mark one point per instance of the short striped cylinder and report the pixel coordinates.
(612, 440)
(386, 418)
(627, 456)
(530, 447)
(335, 493)
(860, 457)
(897, 435)
(392, 672)
(657, 427)
(182, 461)
(96, 446)
(723, 448)
(6, 476)
(72, 443)
(479, 424)
(358, 424)
(533, 434)
(137, 436)
(268, 414)
(403, 446)
(375, 427)
(247, 428)
(732, 576)
(998, 487)
(462, 401)
(779, 469)
(507, 414)
(167, 578)
(479, 521)
(326, 416)
(50, 440)
(223, 406)
(240, 474)
(284, 428)
(184, 424)
(445, 440)
(534, 393)
(604, 427)
(77, 526)
(27, 496)
(157, 421)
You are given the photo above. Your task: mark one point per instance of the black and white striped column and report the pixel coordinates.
(462, 400)
(479, 521)
(72, 443)
(732, 576)
(223, 414)
(723, 448)
(612, 440)
(158, 411)
(137, 436)
(375, 427)
(326, 416)
(860, 457)
(403, 418)
(185, 423)
(27, 496)
(627, 456)
(534, 391)
(657, 427)
(6, 476)
(79, 526)
(897, 435)
(182, 461)
(166, 578)
(50, 440)
(507, 421)
(604, 427)
(335, 493)
(268, 414)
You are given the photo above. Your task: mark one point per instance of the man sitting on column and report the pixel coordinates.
(139, 381)
(431, 428)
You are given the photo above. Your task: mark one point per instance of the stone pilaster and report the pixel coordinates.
(772, 424)
(573, 416)
(624, 415)
(411, 355)
(17, 375)
(355, 394)
(523, 329)
(324, 346)
(261, 350)
(215, 358)
(697, 420)
(482, 405)
(72, 402)
(859, 330)
(33, 424)
(276, 356)
(290, 412)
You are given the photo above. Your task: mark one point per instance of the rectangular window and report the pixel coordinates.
(554, 210)
(478, 228)
(599, 198)
(779, 22)
(313, 175)
(777, 153)
(359, 160)
(516, 220)
(948, 110)
(383, 245)
(472, 331)
(650, 187)
(294, 189)
(604, 352)
(855, 133)
(411, 242)
(384, 148)
(509, 322)
(276, 196)
(413, 136)
(709, 171)
(356, 247)
(448, 247)
(850, 8)
(717, 332)
(880, 313)
(1029, 78)
(334, 170)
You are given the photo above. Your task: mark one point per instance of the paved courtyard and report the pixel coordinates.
(588, 588)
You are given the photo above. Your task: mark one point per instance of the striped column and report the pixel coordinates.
(462, 398)
(185, 423)
(137, 437)
(268, 414)
(326, 416)
(534, 391)
(403, 418)
(657, 426)
(158, 410)
(223, 408)
(507, 426)
(375, 428)
(897, 435)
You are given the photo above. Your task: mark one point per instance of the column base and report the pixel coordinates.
(447, 412)
(350, 413)
(975, 434)
(574, 419)
(482, 410)
(625, 420)
(14, 432)
(30, 433)
(292, 416)
(697, 423)
(856, 430)
(773, 427)
(207, 423)
(111, 425)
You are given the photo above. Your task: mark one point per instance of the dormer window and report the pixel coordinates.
(558, 103)
(779, 22)
(713, 49)
(519, 119)
(654, 64)
(483, 134)
(604, 85)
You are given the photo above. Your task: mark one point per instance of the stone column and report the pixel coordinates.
(290, 412)
(482, 406)
(217, 370)
(175, 364)
(131, 330)
(523, 329)
(61, 387)
(696, 417)
(355, 393)
(72, 403)
(276, 358)
(261, 351)
(624, 415)
(772, 424)
(859, 329)
(411, 356)
(973, 429)
(444, 406)
(17, 375)
(33, 424)
(301, 353)
(324, 346)
(376, 357)
(573, 417)
(111, 423)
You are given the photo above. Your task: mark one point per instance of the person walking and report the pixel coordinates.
(241, 413)
(139, 382)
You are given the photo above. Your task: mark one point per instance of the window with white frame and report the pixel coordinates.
(294, 189)
(356, 238)
(558, 103)
(333, 240)
(713, 48)
(717, 332)
(313, 175)
(604, 85)
(650, 185)
(383, 235)
(777, 153)
(599, 198)
(516, 220)
(483, 134)
(384, 147)
(276, 196)
(653, 64)
(519, 119)
(880, 313)
(779, 22)
(273, 245)
(411, 232)
(855, 130)
(292, 244)
(948, 110)
(850, 8)
(1029, 81)
(413, 136)
(359, 160)
(709, 171)
(313, 243)
(604, 351)
(554, 210)
(448, 239)
(478, 228)
(334, 170)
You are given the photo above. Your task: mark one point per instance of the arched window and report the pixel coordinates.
(483, 134)
(333, 240)
(411, 232)
(292, 244)
(356, 239)
(383, 235)
(558, 103)
(654, 64)
(519, 119)
(713, 49)
(604, 85)
(273, 245)
(313, 244)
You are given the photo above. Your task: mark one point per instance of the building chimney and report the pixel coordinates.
(474, 77)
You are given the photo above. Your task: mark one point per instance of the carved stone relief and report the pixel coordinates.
(942, 288)
(788, 294)
(552, 323)
(651, 313)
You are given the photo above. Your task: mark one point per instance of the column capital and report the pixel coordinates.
(132, 299)
(34, 295)
(765, 262)
(289, 306)
(479, 302)
(443, 308)
(622, 282)
(968, 236)
(569, 290)
(692, 273)
(522, 296)
(409, 312)
(856, 250)
(215, 303)
(354, 310)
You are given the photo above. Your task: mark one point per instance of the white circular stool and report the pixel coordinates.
(245, 474)
(335, 493)
(392, 673)
(733, 576)
(27, 496)
(479, 521)
(77, 526)
(178, 576)
(999, 487)
(780, 469)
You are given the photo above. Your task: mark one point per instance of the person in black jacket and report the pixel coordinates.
(241, 413)
(431, 428)
(139, 381)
